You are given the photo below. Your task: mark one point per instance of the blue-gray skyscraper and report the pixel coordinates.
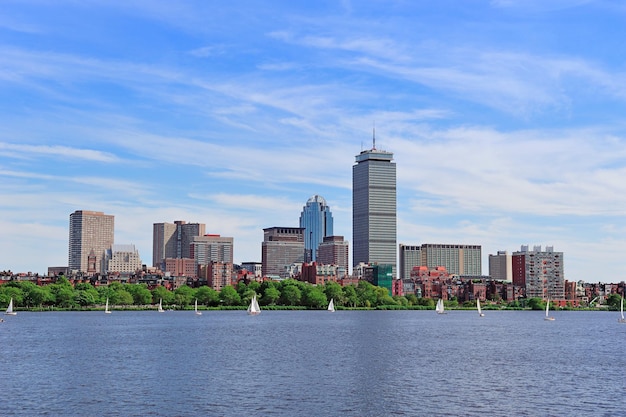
(374, 208)
(317, 222)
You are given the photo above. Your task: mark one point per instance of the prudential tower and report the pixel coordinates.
(374, 208)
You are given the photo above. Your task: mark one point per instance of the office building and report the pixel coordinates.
(457, 259)
(500, 266)
(317, 222)
(281, 248)
(173, 240)
(410, 256)
(374, 208)
(334, 251)
(91, 234)
(539, 272)
(122, 259)
(212, 248)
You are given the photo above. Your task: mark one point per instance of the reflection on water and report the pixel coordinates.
(299, 363)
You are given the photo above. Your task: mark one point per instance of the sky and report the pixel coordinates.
(506, 119)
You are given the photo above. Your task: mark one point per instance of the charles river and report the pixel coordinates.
(312, 363)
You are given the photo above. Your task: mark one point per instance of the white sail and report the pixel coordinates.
(198, 313)
(106, 307)
(253, 308)
(331, 305)
(621, 310)
(161, 305)
(10, 311)
(548, 317)
(480, 311)
(440, 309)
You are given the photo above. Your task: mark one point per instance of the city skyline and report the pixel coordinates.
(505, 119)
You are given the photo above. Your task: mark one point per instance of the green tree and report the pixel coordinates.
(184, 295)
(335, 292)
(366, 294)
(536, 303)
(161, 293)
(208, 296)
(229, 296)
(290, 295)
(613, 301)
(350, 296)
(270, 296)
(140, 292)
(411, 299)
(314, 297)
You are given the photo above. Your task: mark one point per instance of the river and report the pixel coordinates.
(312, 363)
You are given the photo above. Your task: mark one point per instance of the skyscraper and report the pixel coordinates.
(91, 234)
(281, 248)
(374, 208)
(173, 240)
(317, 222)
(540, 272)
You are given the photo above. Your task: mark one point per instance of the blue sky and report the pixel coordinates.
(506, 118)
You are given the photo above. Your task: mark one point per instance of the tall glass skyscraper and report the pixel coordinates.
(317, 222)
(374, 208)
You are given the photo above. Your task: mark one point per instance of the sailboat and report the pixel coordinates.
(10, 311)
(331, 306)
(253, 308)
(198, 313)
(548, 317)
(439, 309)
(480, 311)
(621, 310)
(106, 307)
(160, 310)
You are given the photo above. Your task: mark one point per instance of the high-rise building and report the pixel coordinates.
(374, 208)
(281, 248)
(500, 266)
(122, 259)
(458, 259)
(212, 248)
(334, 251)
(91, 234)
(540, 272)
(317, 222)
(410, 256)
(173, 240)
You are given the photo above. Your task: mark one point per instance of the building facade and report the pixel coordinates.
(173, 240)
(212, 248)
(374, 209)
(501, 267)
(91, 234)
(457, 259)
(317, 222)
(280, 249)
(410, 256)
(540, 272)
(334, 251)
(123, 259)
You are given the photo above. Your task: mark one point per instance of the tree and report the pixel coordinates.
(161, 293)
(290, 295)
(229, 296)
(270, 296)
(314, 297)
(207, 296)
(613, 301)
(536, 303)
(335, 292)
(367, 295)
(351, 298)
(183, 295)
(140, 292)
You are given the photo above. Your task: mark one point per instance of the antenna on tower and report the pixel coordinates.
(374, 137)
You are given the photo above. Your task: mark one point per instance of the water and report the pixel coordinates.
(312, 363)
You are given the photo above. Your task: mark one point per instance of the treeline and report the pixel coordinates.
(285, 293)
